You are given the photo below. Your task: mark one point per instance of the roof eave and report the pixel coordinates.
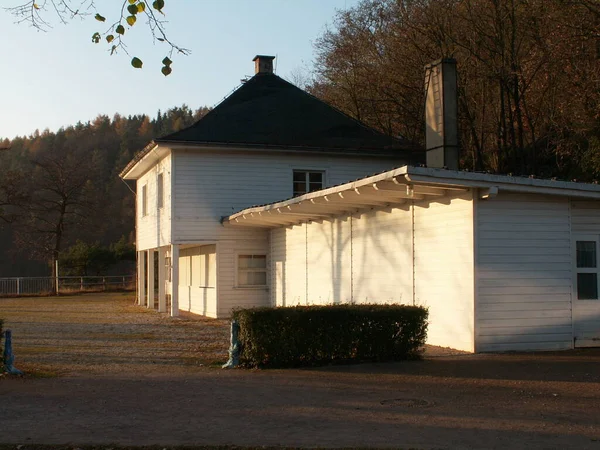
(415, 153)
(141, 163)
(393, 189)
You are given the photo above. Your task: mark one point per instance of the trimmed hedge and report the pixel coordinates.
(317, 335)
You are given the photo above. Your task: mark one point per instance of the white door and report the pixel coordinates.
(586, 302)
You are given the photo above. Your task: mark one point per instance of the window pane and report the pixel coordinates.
(299, 176)
(245, 261)
(299, 188)
(587, 286)
(586, 254)
(316, 177)
(244, 278)
(259, 262)
(259, 278)
(315, 186)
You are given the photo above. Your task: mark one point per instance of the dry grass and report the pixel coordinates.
(103, 333)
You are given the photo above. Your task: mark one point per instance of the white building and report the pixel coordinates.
(502, 263)
(267, 141)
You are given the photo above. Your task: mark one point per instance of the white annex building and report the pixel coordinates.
(502, 263)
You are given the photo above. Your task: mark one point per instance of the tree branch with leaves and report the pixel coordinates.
(35, 13)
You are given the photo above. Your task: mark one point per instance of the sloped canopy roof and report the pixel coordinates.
(268, 111)
(395, 188)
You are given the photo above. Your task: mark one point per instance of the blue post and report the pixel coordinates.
(8, 356)
(234, 348)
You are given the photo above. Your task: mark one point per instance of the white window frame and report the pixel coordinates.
(237, 270)
(585, 237)
(145, 200)
(160, 191)
(307, 171)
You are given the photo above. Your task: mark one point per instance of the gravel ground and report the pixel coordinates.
(106, 372)
(108, 333)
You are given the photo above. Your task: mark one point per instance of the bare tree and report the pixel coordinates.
(59, 203)
(12, 195)
(529, 76)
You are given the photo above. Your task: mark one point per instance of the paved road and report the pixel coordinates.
(511, 401)
(129, 376)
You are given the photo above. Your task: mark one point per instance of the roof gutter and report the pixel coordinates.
(366, 151)
(137, 158)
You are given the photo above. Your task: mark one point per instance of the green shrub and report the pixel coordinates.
(316, 335)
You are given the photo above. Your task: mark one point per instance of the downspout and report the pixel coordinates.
(306, 261)
(351, 259)
(412, 235)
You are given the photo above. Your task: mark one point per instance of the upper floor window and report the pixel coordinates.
(159, 191)
(144, 200)
(308, 181)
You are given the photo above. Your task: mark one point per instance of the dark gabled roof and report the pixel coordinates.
(268, 111)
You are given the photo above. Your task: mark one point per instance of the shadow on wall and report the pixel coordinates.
(514, 310)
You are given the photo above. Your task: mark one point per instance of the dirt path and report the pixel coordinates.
(524, 401)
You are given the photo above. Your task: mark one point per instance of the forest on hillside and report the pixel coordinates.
(61, 195)
(529, 104)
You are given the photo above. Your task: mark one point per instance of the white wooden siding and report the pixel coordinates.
(523, 273)
(382, 259)
(585, 217)
(210, 185)
(444, 269)
(328, 266)
(585, 220)
(365, 258)
(154, 229)
(197, 280)
(207, 185)
(368, 258)
(288, 264)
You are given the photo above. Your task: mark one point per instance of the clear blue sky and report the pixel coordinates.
(59, 77)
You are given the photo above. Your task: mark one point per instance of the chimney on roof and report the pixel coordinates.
(263, 64)
(441, 114)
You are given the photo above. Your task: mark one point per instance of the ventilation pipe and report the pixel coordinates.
(441, 114)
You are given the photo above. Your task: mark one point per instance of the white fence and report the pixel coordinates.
(47, 285)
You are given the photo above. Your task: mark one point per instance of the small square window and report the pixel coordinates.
(586, 254)
(587, 286)
(252, 270)
(305, 181)
(586, 268)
